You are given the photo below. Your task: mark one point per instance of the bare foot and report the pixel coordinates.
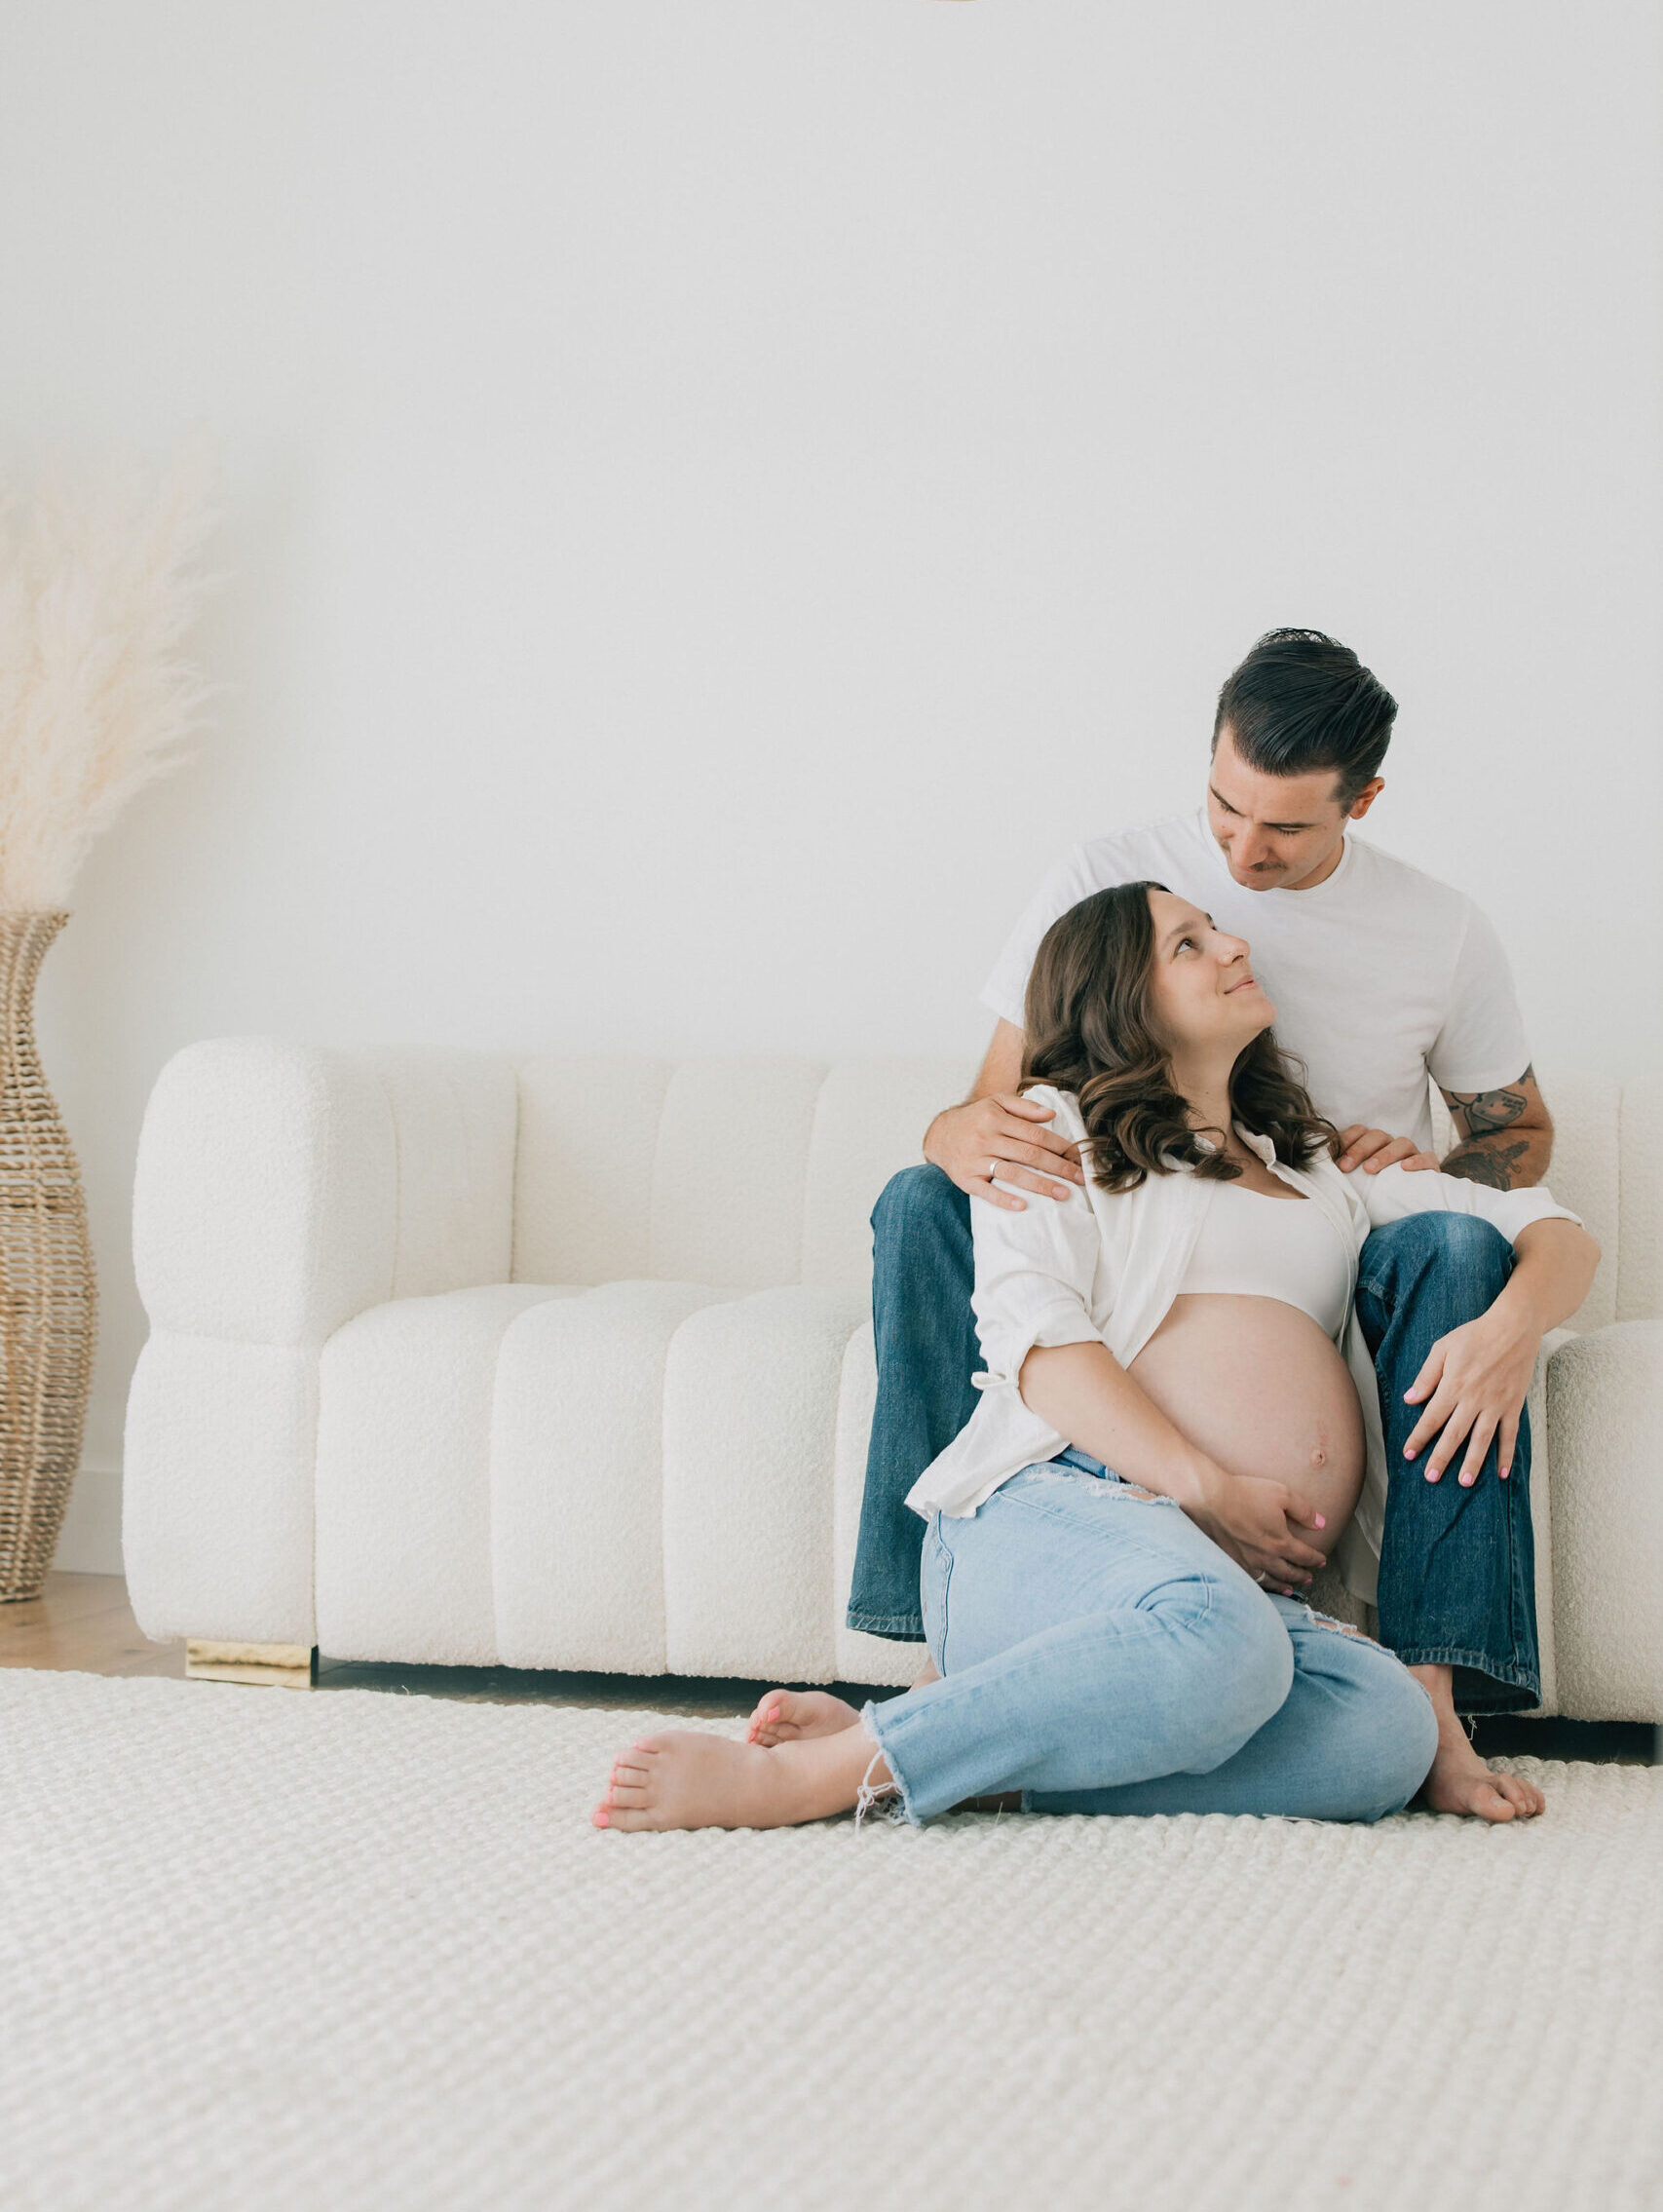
(685, 1778)
(1459, 1780)
(785, 1716)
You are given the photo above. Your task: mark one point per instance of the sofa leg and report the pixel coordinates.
(288, 1666)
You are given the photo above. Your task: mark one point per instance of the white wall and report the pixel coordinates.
(720, 492)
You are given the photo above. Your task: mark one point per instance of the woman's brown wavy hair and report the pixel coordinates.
(1090, 1031)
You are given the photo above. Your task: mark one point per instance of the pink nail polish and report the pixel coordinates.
(1504, 1473)
(1409, 1451)
(1321, 1522)
(603, 1820)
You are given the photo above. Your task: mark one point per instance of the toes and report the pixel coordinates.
(768, 1724)
(624, 1808)
(626, 1784)
(1489, 1804)
(1523, 1796)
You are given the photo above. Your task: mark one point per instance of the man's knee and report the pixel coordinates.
(921, 1201)
(1449, 1246)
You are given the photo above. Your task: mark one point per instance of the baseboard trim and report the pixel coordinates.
(90, 1540)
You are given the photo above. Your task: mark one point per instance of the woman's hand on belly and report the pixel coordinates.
(1263, 1526)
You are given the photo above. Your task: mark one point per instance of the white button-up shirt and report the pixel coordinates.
(1103, 1267)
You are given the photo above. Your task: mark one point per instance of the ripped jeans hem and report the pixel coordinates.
(889, 1800)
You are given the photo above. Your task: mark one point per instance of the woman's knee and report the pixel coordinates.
(1258, 1655)
(1388, 1730)
(1241, 1668)
(1410, 1741)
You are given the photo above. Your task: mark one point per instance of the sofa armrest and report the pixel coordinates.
(282, 1189)
(1606, 1426)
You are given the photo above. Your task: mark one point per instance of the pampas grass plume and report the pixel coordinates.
(100, 584)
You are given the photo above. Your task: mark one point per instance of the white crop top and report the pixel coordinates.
(1256, 1247)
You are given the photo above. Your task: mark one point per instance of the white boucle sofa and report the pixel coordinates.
(564, 1362)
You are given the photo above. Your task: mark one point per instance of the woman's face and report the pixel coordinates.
(1202, 990)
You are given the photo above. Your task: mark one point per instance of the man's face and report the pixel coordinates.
(1277, 832)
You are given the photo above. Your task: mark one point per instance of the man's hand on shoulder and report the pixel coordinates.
(1373, 1149)
(1005, 1135)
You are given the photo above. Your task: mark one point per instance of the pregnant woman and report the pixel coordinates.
(1179, 1423)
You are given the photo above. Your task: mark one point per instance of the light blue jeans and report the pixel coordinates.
(1100, 1654)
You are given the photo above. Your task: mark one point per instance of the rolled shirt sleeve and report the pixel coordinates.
(1034, 1272)
(1481, 1044)
(1395, 1193)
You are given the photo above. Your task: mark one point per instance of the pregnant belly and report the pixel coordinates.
(1260, 1388)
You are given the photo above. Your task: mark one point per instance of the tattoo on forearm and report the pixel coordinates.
(1486, 1111)
(1490, 1164)
(1483, 1115)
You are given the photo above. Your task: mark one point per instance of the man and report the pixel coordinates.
(1380, 975)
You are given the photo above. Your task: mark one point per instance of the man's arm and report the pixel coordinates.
(1002, 1063)
(1507, 1134)
(995, 1124)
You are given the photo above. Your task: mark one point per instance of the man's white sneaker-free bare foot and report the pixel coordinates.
(685, 1778)
(785, 1716)
(1459, 1780)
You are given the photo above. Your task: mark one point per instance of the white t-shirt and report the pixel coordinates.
(1379, 976)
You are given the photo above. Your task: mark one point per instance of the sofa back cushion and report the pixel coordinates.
(740, 1174)
(869, 1123)
(749, 1173)
(589, 1130)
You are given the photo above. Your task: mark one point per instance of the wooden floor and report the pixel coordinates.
(84, 1623)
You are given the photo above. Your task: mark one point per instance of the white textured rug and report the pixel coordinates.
(359, 1950)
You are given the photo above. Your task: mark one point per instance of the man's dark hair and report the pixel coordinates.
(1300, 701)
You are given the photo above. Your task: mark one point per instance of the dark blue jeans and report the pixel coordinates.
(1458, 1570)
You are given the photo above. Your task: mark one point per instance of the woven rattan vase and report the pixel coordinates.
(48, 1297)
